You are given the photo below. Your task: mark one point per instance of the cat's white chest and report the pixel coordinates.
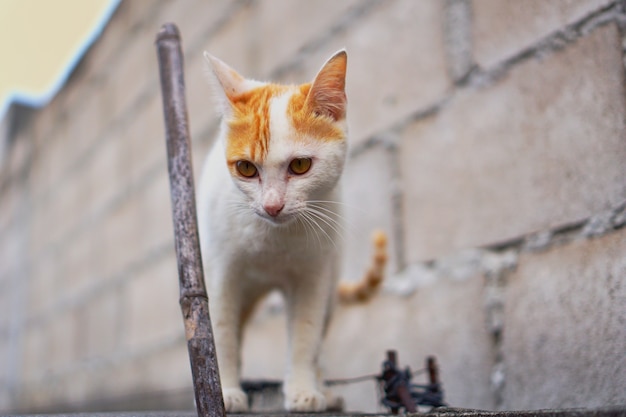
(278, 257)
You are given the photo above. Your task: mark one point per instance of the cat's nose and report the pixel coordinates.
(274, 209)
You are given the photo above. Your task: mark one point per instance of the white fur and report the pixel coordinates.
(247, 252)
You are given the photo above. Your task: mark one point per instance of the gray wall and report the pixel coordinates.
(488, 140)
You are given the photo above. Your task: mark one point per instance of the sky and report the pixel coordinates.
(41, 42)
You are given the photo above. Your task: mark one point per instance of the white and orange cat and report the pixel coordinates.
(269, 218)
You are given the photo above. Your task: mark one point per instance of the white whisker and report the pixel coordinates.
(314, 217)
(310, 224)
(330, 220)
(341, 204)
(346, 227)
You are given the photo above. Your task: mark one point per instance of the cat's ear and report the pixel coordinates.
(327, 95)
(226, 82)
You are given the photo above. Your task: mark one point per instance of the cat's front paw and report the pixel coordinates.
(305, 400)
(235, 400)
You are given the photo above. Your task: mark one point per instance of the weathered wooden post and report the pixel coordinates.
(194, 301)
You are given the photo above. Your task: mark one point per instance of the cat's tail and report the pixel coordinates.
(363, 290)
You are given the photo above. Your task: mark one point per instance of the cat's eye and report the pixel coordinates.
(300, 166)
(246, 169)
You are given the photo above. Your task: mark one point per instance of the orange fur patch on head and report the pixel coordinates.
(249, 125)
(317, 107)
(314, 110)
(305, 120)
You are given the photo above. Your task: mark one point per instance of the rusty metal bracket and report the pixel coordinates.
(400, 393)
(194, 301)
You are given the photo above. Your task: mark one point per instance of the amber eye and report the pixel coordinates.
(246, 169)
(300, 166)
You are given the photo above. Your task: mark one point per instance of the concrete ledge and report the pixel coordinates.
(441, 412)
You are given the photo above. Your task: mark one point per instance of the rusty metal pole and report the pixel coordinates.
(433, 371)
(194, 301)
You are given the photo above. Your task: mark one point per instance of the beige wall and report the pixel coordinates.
(488, 139)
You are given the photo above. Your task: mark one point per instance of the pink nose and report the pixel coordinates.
(274, 209)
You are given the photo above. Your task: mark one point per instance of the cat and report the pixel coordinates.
(269, 218)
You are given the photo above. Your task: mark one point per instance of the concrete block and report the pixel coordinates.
(200, 95)
(457, 26)
(135, 75)
(505, 28)
(39, 181)
(8, 369)
(396, 64)
(155, 222)
(100, 322)
(151, 304)
(6, 385)
(11, 197)
(565, 327)
(43, 122)
(58, 223)
(368, 187)
(90, 119)
(17, 161)
(43, 287)
(52, 162)
(79, 191)
(149, 380)
(542, 147)
(41, 227)
(62, 335)
(10, 247)
(72, 391)
(303, 21)
(102, 173)
(33, 354)
(70, 205)
(143, 143)
(79, 270)
(170, 365)
(177, 369)
(7, 294)
(120, 232)
(197, 22)
(126, 21)
(36, 224)
(232, 41)
(445, 319)
(201, 104)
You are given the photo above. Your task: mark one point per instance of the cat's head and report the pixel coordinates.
(285, 145)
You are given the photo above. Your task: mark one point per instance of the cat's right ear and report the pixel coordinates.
(226, 83)
(327, 95)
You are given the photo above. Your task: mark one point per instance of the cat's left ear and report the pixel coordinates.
(327, 95)
(226, 82)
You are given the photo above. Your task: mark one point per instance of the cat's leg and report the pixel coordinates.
(308, 307)
(226, 316)
(334, 403)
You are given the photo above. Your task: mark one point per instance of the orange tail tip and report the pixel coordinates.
(365, 289)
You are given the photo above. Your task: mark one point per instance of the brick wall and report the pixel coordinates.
(488, 139)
